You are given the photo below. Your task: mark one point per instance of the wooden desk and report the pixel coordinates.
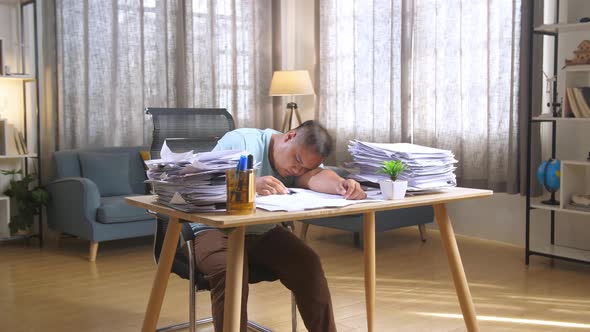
(233, 289)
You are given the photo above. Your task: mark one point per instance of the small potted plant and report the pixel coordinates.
(29, 201)
(394, 188)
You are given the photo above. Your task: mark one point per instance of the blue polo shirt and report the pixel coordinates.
(256, 142)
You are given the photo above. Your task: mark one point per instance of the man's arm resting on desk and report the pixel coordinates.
(327, 181)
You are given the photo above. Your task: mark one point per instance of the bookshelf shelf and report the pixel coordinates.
(562, 28)
(540, 206)
(577, 68)
(17, 78)
(18, 156)
(562, 252)
(552, 118)
(576, 162)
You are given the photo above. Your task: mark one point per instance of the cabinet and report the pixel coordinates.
(566, 135)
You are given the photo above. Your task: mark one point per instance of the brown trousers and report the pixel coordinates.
(297, 266)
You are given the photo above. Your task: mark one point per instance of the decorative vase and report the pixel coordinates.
(393, 189)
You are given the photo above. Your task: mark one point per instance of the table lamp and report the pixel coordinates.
(291, 83)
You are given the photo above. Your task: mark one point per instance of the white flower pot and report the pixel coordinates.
(393, 189)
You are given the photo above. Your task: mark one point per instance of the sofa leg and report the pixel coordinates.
(304, 229)
(93, 251)
(422, 229)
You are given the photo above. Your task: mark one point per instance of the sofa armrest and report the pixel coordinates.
(73, 205)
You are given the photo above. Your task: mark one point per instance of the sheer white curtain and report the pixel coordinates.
(440, 73)
(117, 57)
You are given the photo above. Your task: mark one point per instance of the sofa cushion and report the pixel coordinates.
(114, 210)
(110, 172)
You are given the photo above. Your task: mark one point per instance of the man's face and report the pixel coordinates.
(293, 159)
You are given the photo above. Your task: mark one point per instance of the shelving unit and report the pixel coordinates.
(575, 174)
(29, 112)
(26, 119)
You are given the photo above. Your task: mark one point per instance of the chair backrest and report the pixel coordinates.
(67, 164)
(196, 129)
(185, 129)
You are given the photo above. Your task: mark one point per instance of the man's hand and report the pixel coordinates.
(351, 189)
(269, 185)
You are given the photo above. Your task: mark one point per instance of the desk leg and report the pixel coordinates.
(369, 239)
(456, 266)
(152, 313)
(233, 280)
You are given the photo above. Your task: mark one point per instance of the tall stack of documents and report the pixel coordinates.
(191, 182)
(428, 169)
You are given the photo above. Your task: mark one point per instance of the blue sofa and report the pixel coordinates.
(87, 195)
(384, 220)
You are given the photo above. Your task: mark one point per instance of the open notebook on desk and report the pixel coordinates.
(304, 199)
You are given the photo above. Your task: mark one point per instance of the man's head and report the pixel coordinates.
(301, 149)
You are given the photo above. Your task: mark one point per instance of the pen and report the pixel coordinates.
(241, 168)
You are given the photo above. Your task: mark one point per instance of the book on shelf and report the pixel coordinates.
(22, 142)
(577, 207)
(2, 136)
(577, 102)
(582, 102)
(585, 95)
(11, 140)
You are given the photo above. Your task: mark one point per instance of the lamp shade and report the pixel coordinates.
(291, 83)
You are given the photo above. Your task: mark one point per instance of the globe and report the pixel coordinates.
(548, 174)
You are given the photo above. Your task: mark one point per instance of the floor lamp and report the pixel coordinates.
(291, 83)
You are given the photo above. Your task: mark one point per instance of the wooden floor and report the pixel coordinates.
(55, 289)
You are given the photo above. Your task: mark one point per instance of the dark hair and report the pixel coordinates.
(313, 135)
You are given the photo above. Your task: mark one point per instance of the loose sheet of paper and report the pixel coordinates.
(304, 199)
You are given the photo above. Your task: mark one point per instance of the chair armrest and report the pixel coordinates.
(73, 199)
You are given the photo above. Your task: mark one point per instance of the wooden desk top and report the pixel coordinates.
(224, 220)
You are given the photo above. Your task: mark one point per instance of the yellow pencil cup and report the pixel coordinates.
(241, 191)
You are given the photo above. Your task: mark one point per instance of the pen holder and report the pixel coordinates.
(241, 191)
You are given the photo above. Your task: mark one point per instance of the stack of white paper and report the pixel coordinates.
(192, 182)
(428, 169)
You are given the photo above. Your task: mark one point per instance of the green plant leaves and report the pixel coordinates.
(393, 168)
(29, 202)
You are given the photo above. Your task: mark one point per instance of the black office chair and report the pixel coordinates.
(184, 267)
(186, 129)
